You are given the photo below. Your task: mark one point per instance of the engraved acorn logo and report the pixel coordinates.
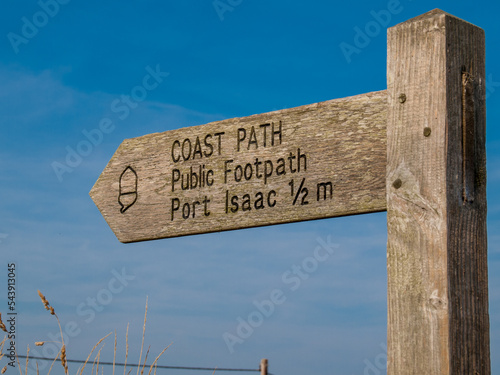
(128, 189)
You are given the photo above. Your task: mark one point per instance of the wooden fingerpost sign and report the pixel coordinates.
(310, 162)
(416, 150)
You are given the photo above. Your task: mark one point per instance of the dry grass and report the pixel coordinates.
(1, 351)
(62, 355)
(2, 326)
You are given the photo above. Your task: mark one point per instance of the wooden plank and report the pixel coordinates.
(436, 198)
(315, 161)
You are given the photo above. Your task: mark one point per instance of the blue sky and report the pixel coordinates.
(255, 57)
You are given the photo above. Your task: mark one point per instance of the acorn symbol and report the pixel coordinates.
(128, 189)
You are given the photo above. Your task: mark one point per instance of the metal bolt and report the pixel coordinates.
(427, 132)
(402, 98)
(397, 184)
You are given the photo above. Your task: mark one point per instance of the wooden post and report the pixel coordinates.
(263, 367)
(436, 198)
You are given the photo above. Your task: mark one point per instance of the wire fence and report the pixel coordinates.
(217, 369)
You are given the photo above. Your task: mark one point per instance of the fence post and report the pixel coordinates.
(436, 198)
(263, 366)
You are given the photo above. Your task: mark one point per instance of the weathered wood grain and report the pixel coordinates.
(436, 199)
(334, 151)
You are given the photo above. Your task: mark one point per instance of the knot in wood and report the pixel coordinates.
(436, 301)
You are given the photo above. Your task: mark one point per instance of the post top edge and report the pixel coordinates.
(435, 13)
(430, 14)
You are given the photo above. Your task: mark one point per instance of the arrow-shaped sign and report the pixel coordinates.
(310, 162)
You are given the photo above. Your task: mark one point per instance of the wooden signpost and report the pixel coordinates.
(416, 150)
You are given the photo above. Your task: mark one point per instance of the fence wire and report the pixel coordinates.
(157, 366)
